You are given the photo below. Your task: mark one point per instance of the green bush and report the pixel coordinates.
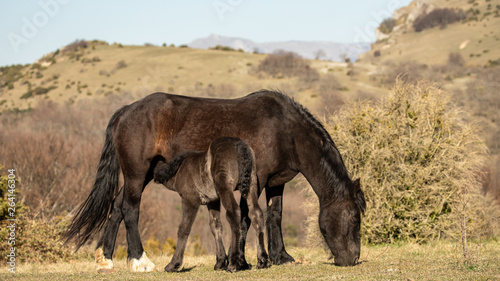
(35, 240)
(387, 25)
(420, 166)
(438, 17)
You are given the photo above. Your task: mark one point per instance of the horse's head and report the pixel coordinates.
(340, 222)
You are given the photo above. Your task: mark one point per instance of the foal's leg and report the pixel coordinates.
(245, 224)
(106, 245)
(236, 259)
(216, 227)
(257, 217)
(137, 260)
(189, 211)
(277, 252)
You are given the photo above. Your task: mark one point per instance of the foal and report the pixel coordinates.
(209, 178)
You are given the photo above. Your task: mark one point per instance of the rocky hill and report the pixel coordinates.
(474, 33)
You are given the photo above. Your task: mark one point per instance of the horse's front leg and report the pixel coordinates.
(106, 245)
(216, 227)
(189, 211)
(277, 252)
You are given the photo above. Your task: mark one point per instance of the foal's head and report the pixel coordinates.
(340, 221)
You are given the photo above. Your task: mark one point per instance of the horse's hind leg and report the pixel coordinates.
(189, 211)
(137, 260)
(245, 224)
(257, 217)
(216, 227)
(106, 245)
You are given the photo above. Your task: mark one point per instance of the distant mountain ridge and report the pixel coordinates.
(307, 49)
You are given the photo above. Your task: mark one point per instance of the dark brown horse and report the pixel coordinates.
(286, 140)
(209, 178)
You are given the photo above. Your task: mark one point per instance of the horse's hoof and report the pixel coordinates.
(263, 264)
(141, 265)
(221, 265)
(239, 266)
(282, 258)
(104, 265)
(172, 267)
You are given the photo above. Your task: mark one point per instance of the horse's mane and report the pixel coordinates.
(331, 162)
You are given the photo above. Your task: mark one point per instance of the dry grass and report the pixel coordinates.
(437, 261)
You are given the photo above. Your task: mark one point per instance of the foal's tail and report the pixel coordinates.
(93, 213)
(245, 167)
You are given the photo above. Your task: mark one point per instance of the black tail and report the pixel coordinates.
(245, 166)
(93, 213)
(164, 172)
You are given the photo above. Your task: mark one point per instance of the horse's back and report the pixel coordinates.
(166, 125)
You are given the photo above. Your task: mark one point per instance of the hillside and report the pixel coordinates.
(92, 69)
(476, 37)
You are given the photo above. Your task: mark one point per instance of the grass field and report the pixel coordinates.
(437, 261)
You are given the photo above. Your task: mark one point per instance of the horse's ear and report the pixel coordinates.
(359, 197)
(357, 183)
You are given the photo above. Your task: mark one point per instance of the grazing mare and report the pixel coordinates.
(209, 178)
(284, 136)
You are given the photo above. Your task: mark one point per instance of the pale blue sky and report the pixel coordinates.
(31, 28)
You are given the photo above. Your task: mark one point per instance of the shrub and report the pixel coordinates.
(329, 88)
(288, 64)
(418, 162)
(9, 75)
(75, 46)
(37, 91)
(35, 240)
(121, 64)
(408, 71)
(441, 17)
(226, 48)
(456, 59)
(387, 25)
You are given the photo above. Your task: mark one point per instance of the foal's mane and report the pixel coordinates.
(331, 162)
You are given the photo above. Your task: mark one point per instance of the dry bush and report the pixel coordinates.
(288, 64)
(75, 46)
(329, 91)
(55, 150)
(480, 98)
(387, 25)
(410, 72)
(438, 17)
(416, 157)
